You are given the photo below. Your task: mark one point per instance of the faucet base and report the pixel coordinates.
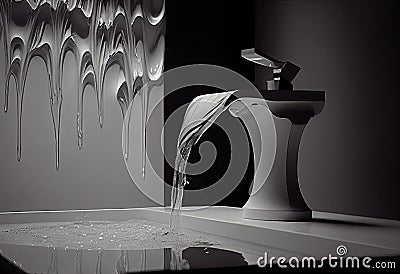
(276, 215)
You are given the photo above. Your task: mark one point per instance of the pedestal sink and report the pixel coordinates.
(275, 193)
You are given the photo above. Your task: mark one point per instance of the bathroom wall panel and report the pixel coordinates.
(349, 155)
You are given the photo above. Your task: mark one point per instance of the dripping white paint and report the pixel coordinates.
(100, 34)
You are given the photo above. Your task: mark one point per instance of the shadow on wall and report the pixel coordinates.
(207, 32)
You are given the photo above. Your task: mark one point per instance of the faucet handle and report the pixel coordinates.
(261, 58)
(283, 72)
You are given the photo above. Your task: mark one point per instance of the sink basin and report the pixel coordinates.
(298, 106)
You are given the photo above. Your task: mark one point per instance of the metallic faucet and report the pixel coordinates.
(283, 72)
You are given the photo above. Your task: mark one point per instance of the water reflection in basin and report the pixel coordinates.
(58, 260)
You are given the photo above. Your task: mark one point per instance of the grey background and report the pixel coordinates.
(349, 155)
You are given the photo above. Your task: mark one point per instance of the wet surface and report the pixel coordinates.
(105, 235)
(109, 247)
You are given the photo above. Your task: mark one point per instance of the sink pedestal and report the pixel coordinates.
(275, 193)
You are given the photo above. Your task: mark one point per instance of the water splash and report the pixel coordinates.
(100, 34)
(105, 235)
(200, 115)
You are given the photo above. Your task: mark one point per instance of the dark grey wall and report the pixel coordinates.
(207, 32)
(348, 158)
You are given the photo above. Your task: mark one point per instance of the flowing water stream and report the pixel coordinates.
(200, 115)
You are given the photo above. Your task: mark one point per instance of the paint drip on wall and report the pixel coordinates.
(99, 34)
